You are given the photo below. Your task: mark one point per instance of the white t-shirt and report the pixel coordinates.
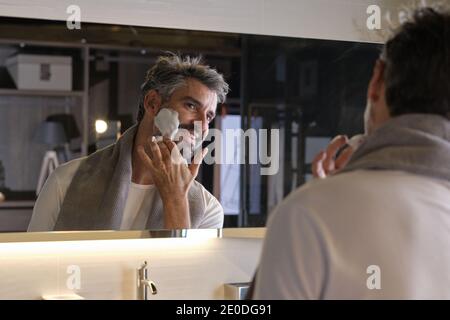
(137, 207)
(359, 235)
(139, 198)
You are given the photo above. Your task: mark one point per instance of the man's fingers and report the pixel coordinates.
(175, 154)
(155, 152)
(169, 143)
(335, 144)
(343, 158)
(317, 165)
(164, 152)
(331, 151)
(195, 165)
(325, 163)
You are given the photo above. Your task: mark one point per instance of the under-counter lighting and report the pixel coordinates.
(67, 243)
(199, 234)
(203, 233)
(109, 235)
(103, 247)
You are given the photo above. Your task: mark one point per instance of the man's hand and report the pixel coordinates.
(325, 163)
(173, 178)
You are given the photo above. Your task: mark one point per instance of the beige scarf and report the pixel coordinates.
(415, 143)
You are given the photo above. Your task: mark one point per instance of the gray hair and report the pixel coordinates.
(171, 72)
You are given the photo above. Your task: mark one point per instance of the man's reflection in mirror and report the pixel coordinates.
(135, 184)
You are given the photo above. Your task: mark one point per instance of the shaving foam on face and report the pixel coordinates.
(167, 122)
(356, 141)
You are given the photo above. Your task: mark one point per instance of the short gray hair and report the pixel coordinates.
(171, 72)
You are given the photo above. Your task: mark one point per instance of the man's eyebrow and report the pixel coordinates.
(193, 100)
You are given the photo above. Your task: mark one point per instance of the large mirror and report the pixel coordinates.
(65, 94)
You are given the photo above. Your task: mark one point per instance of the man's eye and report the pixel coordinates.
(190, 106)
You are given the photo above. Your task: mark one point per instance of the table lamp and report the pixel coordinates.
(52, 134)
(70, 129)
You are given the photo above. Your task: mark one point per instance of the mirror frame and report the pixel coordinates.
(13, 237)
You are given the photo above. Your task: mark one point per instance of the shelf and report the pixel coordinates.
(54, 93)
(27, 204)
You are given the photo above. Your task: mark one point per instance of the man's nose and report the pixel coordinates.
(203, 118)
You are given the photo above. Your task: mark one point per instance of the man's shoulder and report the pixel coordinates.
(213, 216)
(207, 196)
(66, 171)
(355, 191)
(316, 194)
(359, 181)
(199, 185)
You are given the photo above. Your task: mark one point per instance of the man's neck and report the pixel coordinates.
(140, 174)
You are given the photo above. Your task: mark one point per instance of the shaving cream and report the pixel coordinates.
(167, 122)
(356, 141)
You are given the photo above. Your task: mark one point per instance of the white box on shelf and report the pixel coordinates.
(40, 72)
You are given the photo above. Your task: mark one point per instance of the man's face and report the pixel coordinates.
(376, 112)
(368, 117)
(194, 102)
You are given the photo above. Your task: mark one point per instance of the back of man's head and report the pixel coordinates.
(417, 57)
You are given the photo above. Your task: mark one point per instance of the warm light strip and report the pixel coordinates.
(86, 247)
(202, 233)
(108, 235)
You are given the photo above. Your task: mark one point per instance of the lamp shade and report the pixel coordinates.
(51, 133)
(69, 124)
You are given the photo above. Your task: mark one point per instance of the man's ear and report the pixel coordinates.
(152, 102)
(376, 82)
